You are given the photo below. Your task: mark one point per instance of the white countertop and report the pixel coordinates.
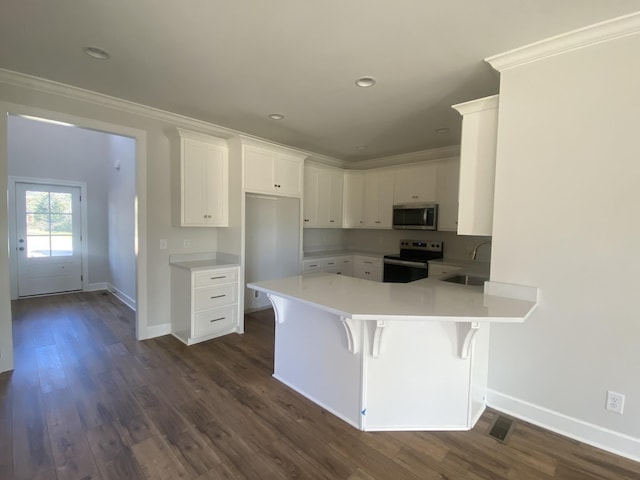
(338, 253)
(203, 261)
(426, 299)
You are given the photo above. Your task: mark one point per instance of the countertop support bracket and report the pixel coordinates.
(377, 338)
(352, 337)
(466, 332)
(274, 302)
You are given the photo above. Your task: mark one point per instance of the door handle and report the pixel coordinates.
(21, 248)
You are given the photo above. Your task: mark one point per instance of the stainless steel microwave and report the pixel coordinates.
(415, 217)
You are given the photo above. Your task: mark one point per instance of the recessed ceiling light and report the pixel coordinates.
(366, 82)
(442, 130)
(361, 147)
(96, 52)
(276, 116)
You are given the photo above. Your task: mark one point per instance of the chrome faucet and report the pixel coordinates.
(475, 249)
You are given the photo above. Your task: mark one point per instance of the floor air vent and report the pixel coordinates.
(501, 428)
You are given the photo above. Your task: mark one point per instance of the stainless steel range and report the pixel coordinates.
(413, 261)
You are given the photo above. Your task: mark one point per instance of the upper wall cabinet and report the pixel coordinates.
(477, 165)
(353, 200)
(415, 184)
(368, 199)
(200, 180)
(272, 172)
(378, 199)
(322, 197)
(447, 194)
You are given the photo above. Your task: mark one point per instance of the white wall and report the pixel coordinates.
(567, 220)
(45, 151)
(121, 217)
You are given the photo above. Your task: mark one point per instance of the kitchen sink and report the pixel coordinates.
(463, 279)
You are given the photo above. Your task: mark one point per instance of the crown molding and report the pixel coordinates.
(22, 80)
(566, 42)
(430, 155)
(478, 105)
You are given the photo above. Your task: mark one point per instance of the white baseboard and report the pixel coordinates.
(153, 331)
(95, 287)
(605, 439)
(123, 297)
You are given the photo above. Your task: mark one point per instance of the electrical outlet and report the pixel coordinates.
(186, 243)
(163, 244)
(615, 402)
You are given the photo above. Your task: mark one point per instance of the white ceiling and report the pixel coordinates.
(232, 62)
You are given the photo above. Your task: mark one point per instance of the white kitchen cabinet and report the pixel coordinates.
(368, 268)
(447, 194)
(311, 266)
(204, 303)
(344, 265)
(477, 165)
(201, 180)
(368, 199)
(340, 265)
(415, 184)
(272, 172)
(353, 216)
(323, 190)
(378, 200)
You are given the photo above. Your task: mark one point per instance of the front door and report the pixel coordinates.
(48, 232)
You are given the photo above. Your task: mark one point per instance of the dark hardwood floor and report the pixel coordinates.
(87, 401)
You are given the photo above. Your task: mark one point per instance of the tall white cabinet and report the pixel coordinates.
(322, 197)
(477, 165)
(368, 199)
(201, 180)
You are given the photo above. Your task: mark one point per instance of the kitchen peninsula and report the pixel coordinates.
(388, 356)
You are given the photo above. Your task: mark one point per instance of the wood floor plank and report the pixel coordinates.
(114, 459)
(31, 444)
(88, 398)
(157, 460)
(6, 426)
(71, 452)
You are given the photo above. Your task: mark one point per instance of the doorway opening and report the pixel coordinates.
(71, 208)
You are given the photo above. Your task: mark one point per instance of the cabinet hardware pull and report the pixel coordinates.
(218, 278)
(331, 221)
(218, 296)
(217, 319)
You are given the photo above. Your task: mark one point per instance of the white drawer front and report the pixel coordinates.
(309, 266)
(215, 277)
(217, 296)
(213, 321)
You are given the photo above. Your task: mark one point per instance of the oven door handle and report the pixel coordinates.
(405, 263)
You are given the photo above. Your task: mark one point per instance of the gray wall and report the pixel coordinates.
(121, 217)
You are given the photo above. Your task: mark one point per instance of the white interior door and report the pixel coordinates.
(48, 229)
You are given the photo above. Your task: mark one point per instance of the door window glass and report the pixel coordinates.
(49, 216)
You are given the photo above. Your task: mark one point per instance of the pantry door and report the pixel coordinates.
(48, 229)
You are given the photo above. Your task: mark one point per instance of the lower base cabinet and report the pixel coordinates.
(368, 268)
(204, 303)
